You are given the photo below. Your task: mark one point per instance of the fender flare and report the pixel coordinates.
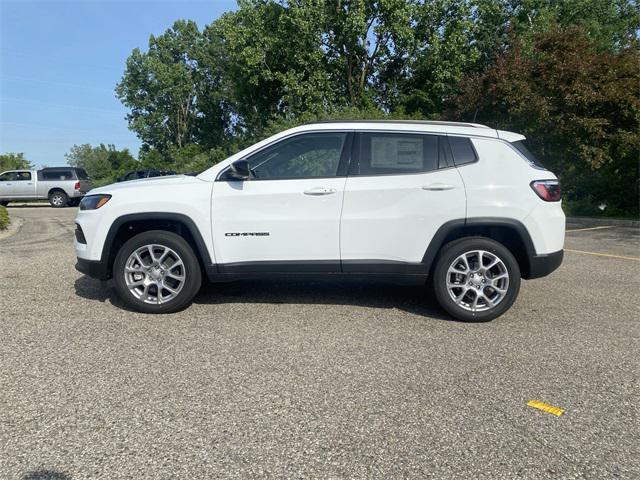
(446, 229)
(201, 247)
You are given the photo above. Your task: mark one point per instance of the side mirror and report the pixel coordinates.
(240, 170)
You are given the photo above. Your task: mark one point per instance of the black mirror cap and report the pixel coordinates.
(240, 170)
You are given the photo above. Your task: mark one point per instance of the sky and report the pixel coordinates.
(61, 60)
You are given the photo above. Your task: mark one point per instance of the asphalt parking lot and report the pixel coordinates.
(316, 380)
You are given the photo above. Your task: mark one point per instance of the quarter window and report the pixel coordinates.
(303, 156)
(463, 151)
(397, 153)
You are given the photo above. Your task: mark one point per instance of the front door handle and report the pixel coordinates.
(320, 191)
(437, 187)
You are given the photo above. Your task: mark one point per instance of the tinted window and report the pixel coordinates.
(522, 148)
(7, 177)
(82, 174)
(303, 156)
(463, 151)
(23, 176)
(397, 153)
(57, 175)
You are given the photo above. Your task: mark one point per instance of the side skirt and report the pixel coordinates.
(367, 270)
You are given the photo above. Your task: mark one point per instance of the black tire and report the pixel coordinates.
(4, 203)
(73, 202)
(58, 199)
(192, 272)
(449, 253)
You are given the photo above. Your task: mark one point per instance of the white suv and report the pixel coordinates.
(463, 205)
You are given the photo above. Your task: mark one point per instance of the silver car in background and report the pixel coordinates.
(61, 186)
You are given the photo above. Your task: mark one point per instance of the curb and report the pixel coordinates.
(12, 229)
(587, 221)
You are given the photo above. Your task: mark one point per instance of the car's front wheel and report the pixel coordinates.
(156, 272)
(476, 279)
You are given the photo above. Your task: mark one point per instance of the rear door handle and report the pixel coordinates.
(437, 187)
(320, 191)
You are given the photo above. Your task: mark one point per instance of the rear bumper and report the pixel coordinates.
(93, 268)
(543, 265)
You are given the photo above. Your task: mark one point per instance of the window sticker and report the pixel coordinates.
(394, 152)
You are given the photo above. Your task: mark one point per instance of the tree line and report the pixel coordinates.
(562, 72)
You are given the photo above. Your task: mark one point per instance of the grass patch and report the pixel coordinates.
(4, 218)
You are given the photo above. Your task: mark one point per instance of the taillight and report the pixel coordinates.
(76, 186)
(547, 190)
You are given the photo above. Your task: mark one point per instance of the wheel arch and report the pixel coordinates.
(509, 232)
(127, 226)
(52, 190)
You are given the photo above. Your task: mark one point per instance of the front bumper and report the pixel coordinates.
(543, 265)
(93, 268)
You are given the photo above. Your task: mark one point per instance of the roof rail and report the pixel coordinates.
(419, 122)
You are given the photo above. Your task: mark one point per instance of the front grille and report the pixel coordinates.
(80, 235)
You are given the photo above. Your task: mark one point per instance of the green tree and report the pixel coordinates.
(104, 163)
(442, 52)
(14, 161)
(164, 87)
(285, 59)
(578, 106)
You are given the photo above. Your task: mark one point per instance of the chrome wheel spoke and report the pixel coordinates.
(139, 269)
(486, 299)
(159, 283)
(164, 255)
(477, 280)
(175, 265)
(461, 296)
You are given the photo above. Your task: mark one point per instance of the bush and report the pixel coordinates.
(4, 218)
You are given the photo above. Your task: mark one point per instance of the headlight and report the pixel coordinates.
(94, 202)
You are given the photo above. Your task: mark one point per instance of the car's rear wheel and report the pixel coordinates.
(476, 279)
(156, 272)
(58, 199)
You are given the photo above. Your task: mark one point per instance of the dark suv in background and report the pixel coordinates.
(148, 173)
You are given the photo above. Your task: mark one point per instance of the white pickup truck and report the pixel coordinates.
(61, 186)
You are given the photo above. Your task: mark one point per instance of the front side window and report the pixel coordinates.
(303, 156)
(397, 153)
(7, 177)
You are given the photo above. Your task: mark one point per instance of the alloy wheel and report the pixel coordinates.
(477, 280)
(154, 274)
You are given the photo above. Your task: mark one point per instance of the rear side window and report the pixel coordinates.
(58, 175)
(397, 154)
(463, 151)
(531, 158)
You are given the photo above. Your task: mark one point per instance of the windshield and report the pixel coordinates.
(522, 148)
